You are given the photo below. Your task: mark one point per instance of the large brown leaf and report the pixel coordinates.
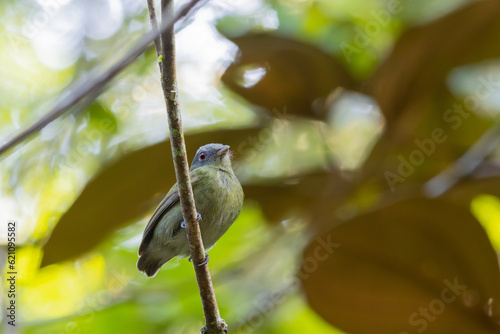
(298, 75)
(391, 271)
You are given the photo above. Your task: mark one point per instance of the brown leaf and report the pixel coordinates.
(391, 271)
(297, 74)
(280, 199)
(464, 192)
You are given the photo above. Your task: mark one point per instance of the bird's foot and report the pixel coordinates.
(198, 219)
(204, 262)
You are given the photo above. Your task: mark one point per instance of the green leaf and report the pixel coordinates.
(101, 117)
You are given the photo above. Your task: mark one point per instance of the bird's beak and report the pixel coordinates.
(223, 151)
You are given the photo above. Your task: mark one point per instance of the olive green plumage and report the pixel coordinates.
(218, 197)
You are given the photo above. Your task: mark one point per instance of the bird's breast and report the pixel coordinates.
(219, 201)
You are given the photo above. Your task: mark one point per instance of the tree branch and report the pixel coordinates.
(156, 29)
(213, 323)
(88, 86)
(466, 164)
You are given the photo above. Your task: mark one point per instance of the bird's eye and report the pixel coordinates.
(203, 156)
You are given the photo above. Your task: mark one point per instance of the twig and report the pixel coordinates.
(88, 86)
(213, 323)
(487, 169)
(466, 164)
(457, 172)
(155, 28)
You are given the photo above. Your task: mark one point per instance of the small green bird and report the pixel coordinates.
(218, 197)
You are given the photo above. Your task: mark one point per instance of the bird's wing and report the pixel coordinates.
(166, 204)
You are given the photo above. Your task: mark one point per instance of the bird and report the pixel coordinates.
(218, 197)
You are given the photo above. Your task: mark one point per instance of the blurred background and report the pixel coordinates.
(365, 134)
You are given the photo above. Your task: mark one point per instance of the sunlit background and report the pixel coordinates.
(302, 92)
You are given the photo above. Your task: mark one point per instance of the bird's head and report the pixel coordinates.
(216, 155)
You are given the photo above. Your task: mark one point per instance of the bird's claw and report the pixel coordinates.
(204, 262)
(198, 219)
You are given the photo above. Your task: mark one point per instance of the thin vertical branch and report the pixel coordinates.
(213, 323)
(156, 30)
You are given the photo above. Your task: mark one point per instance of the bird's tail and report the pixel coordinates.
(150, 263)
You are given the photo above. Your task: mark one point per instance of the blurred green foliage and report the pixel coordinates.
(320, 102)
